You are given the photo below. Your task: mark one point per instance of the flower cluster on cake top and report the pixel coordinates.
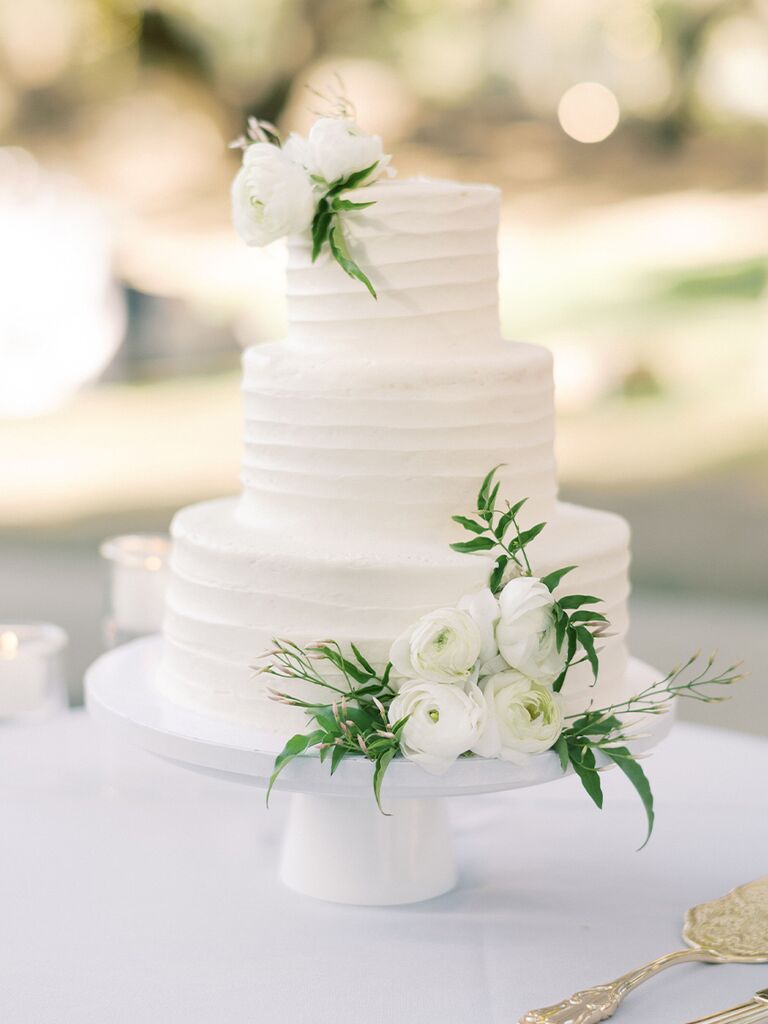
(302, 184)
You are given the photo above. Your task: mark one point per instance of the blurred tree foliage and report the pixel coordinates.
(509, 58)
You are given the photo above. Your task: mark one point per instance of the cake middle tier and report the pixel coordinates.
(234, 588)
(390, 449)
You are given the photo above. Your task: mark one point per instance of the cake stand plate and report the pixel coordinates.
(337, 845)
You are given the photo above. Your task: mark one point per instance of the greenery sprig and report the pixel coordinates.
(354, 722)
(576, 624)
(327, 227)
(605, 732)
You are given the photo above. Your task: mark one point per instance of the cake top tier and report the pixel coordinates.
(375, 262)
(429, 249)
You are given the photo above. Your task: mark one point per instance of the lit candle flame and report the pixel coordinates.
(153, 563)
(9, 644)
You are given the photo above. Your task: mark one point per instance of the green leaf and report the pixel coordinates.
(584, 764)
(353, 180)
(514, 509)
(321, 225)
(347, 204)
(561, 624)
(594, 723)
(587, 641)
(364, 718)
(343, 664)
(503, 524)
(508, 517)
(363, 661)
(572, 641)
(296, 745)
(588, 616)
(577, 600)
(485, 488)
(382, 763)
(561, 749)
(387, 674)
(552, 579)
(497, 576)
(469, 524)
(466, 547)
(338, 755)
(525, 538)
(558, 683)
(571, 634)
(493, 495)
(624, 760)
(326, 720)
(342, 257)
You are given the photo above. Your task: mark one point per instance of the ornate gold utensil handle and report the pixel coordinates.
(601, 1002)
(753, 1012)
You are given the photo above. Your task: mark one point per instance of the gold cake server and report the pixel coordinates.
(731, 930)
(753, 1012)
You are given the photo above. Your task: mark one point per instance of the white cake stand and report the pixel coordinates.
(337, 845)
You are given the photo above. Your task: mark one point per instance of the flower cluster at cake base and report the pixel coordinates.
(302, 185)
(482, 678)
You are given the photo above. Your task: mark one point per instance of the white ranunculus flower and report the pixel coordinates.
(272, 196)
(296, 148)
(484, 609)
(522, 717)
(443, 722)
(525, 632)
(442, 647)
(336, 148)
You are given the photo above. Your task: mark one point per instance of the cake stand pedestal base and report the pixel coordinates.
(345, 850)
(338, 845)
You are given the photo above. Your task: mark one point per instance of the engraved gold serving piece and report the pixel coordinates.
(730, 930)
(753, 1012)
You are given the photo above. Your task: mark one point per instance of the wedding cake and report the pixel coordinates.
(367, 428)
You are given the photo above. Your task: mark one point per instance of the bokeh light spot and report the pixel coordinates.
(588, 112)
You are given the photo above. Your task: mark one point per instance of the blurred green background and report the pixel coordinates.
(633, 243)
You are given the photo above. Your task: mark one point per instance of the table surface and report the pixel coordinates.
(133, 891)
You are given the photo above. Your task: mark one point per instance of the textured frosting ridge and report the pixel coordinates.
(430, 249)
(366, 429)
(387, 449)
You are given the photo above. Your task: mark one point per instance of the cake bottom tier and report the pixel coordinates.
(235, 588)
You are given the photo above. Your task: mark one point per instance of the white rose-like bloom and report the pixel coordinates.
(484, 609)
(336, 148)
(443, 722)
(272, 196)
(522, 717)
(442, 647)
(525, 632)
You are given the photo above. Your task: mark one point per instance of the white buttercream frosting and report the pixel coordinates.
(392, 448)
(430, 249)
(366, 429)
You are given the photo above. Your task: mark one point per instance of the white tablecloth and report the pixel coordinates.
(135, 892)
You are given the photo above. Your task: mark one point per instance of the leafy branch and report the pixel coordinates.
(355, 721)
(327, 227)
(576, 626)
(605, 731)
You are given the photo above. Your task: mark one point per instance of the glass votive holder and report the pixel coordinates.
(32, 683)
(138, 575)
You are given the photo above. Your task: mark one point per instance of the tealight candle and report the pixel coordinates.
(31, 671)
(138, 578)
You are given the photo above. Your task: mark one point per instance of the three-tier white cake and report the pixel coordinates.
(367, 428)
